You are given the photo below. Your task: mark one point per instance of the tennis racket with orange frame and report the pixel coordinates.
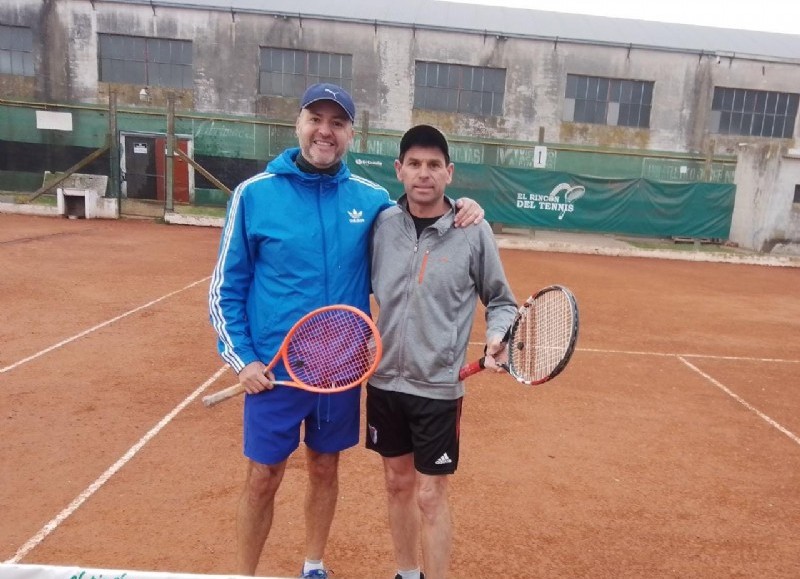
(541, 338)
(328, 350)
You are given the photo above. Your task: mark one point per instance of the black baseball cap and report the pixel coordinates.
(424, 136)
(326, 91)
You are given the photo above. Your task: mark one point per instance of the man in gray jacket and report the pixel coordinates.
(427, 277)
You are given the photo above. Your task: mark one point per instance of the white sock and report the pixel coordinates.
(311, 565)
(412, 574)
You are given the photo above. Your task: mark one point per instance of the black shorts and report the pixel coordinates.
(399, 423)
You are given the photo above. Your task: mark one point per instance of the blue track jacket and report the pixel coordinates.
(292, 242)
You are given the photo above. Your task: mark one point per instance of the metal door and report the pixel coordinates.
(140, 167)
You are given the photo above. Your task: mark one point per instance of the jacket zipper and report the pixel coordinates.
(324, 237)
(406, 301)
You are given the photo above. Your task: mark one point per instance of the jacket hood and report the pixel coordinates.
(284, 164)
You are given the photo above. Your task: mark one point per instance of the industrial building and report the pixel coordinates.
(557, 120)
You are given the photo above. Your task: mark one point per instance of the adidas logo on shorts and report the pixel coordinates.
(444, 459)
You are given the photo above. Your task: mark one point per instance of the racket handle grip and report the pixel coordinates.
(472, 368)
(222, 395)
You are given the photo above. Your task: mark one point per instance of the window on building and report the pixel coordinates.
(458, 88)
(16, 50)
(797, 194)
(287, 73)
(608, 101)
(145, 61)
(756, 113)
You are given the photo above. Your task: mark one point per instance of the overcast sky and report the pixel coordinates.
(764, 15)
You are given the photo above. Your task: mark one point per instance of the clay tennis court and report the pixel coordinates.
(669, 447)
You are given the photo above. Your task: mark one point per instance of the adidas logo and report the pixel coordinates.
(356, 216)
(444, 459)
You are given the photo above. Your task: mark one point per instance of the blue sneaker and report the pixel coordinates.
(315, 574)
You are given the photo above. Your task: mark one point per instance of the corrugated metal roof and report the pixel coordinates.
(520, 22)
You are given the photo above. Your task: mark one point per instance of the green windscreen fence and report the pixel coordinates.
(541, 199)
(629, 194)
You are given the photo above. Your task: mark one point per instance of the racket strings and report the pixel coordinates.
(332, 349)
(542, 337)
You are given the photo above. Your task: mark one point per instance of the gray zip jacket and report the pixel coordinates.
(427, 292)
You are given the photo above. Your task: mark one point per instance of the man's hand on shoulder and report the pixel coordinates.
(468, 212)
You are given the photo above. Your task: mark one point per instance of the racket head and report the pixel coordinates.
(543, 336)
(331, 349)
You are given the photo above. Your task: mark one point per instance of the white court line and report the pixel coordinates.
(674, 355)
(743, 402)
(99, 326)
(92, 488)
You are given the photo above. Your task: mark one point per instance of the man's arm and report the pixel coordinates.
(468, 211)
(495, 294)
(230, 285)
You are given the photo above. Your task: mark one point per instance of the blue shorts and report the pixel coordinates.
(272, 421)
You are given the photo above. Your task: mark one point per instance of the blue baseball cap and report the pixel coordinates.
(326, 91)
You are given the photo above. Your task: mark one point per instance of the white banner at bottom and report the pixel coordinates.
(17, 571)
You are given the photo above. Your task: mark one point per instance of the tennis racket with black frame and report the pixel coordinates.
(541, 339)
(328, 350)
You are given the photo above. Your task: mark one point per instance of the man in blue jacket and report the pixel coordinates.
(296, 237)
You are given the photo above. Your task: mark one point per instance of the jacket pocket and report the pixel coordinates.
(430, 355)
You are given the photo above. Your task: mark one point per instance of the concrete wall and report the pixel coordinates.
(764, 215)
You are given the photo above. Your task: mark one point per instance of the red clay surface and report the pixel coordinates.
(668, 448)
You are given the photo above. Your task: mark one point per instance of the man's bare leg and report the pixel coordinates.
(436, 525)
(320, 502)
(255, 512)
(401, 486)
